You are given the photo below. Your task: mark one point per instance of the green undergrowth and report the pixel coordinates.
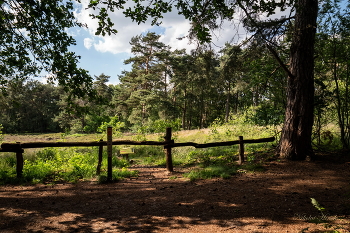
(54, 165)
(118, 174)
(222, 171)
(211, 172)
(203, 163)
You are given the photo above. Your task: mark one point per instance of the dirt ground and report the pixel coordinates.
(277, 200)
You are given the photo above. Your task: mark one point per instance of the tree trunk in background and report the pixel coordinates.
(295, 143)
(184, 111)
(227, 107)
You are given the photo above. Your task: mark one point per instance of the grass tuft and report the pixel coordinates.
(211, 172)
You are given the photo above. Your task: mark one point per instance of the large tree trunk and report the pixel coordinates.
(295, 143)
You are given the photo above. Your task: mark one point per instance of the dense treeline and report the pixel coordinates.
(190, 90)
(163, 87)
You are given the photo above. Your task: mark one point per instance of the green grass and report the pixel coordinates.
(211, 172)
(118, 174)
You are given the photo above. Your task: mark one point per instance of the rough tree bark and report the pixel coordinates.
(295, 143)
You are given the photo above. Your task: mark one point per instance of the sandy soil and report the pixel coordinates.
(277, 200)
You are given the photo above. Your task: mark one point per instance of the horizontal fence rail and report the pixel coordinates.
(13, 147)
(228, 143)
(168, 143)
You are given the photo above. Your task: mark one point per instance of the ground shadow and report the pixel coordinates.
(280, 195)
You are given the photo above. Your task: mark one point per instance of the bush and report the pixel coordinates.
(115, 124)
(57, 165)
(76, 126)
(7, 168)
(93, 122)
(38, 171)
(157, 126)
(46, 154)
(266, 114)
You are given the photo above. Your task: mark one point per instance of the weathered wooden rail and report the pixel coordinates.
(168, 143)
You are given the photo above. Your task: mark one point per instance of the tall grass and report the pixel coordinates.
(58, 165)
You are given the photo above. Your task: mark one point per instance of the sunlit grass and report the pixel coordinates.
(58, 165)
(211, 172)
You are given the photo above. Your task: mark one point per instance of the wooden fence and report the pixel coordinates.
(168, 143)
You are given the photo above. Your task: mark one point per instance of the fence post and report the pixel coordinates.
(241, 150)
(167, 148)
(20, 161)
(109, 152)
(100, 153)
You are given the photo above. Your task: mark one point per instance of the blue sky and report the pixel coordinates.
(97, 62)
(107, 62)
(106, 54)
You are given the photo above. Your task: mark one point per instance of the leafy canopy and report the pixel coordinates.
(34, 39)
(203, 14)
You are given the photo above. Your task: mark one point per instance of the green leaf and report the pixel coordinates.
(317, 205)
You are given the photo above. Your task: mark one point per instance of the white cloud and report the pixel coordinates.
(174, 25)
(118, 43)
(88, 42)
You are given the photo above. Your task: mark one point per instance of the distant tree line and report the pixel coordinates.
(163, 85)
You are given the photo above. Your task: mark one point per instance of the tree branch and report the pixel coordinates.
(274, 53)
(284, 67)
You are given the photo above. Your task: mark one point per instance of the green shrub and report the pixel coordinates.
(146, 151)
(10, 160)
(46, 154)
(149, 155)
(199, 157)
(265, 114)
(159, 126)
(115, 124)
(76, 126)
(51, 165)
(118, 174)
(93, 122)
(120, 163)
(7, 168)
(38, 171)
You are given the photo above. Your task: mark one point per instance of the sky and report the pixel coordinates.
(107, 54)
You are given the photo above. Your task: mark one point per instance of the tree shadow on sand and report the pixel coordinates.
(150, 204)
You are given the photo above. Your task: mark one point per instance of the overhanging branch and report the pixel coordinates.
(284, 67)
